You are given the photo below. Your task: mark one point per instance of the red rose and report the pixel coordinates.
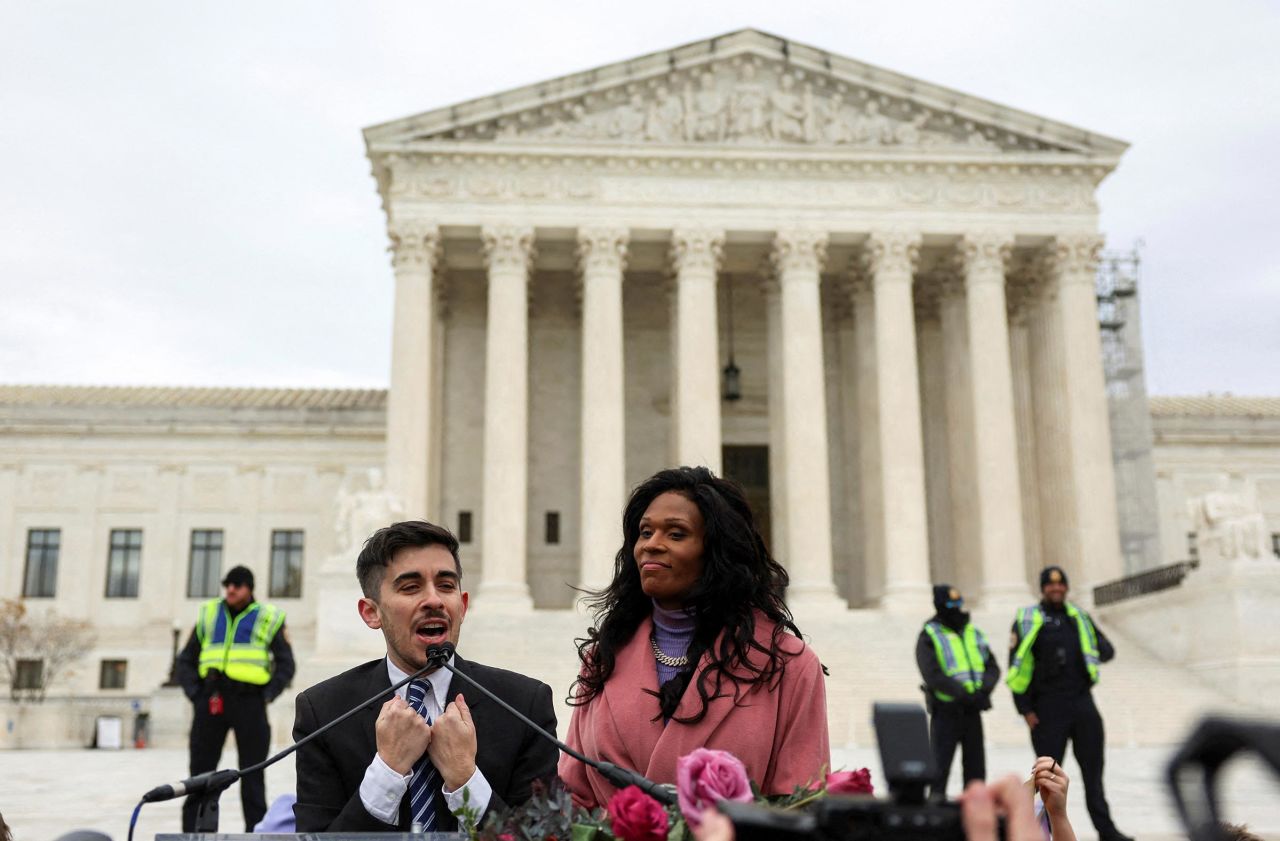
(635, 816)
(850, 782)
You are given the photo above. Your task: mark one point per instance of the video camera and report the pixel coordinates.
(902, 734)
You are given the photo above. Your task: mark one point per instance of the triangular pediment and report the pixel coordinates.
(746, 89)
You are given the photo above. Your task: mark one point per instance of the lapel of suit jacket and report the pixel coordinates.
(631, 696)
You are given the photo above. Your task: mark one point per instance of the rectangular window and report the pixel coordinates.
(28, 674)
(464, 526)
(124, 563)
(1193, 551)
(286, 564)
(553, 528)
(205, 568)
(41, 578)
(112, 674)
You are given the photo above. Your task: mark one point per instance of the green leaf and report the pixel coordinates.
(582, 832)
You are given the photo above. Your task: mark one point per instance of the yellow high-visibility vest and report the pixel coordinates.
(1029, 622)
(963, 658)
(240, 648)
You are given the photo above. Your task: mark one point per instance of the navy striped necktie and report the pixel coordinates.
(425, 781)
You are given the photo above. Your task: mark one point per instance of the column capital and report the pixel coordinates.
(602, 248)
(983, 256)
(508, 246)
(414, 243)
(891, 255)
(1072, 258)
(697, 249)
(802, 250)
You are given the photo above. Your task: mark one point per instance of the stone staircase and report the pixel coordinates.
(871, 656)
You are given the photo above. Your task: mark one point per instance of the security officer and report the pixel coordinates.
(959, 673)
(1054, 653)
(227, 671)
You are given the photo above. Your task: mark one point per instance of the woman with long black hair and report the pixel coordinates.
(693, 646)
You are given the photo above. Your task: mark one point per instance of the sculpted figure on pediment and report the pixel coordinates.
(787, 120)
(664, 121)
(707, 110)
(747, 113)
(629, 119)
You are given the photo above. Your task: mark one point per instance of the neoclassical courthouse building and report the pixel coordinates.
(869, 299)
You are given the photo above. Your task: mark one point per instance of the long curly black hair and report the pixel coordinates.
(739, 577)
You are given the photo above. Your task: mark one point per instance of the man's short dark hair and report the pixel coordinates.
(386, 542)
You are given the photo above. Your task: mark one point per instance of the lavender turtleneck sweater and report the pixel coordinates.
(674, 631)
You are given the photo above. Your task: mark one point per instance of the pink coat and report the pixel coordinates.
(780, 734)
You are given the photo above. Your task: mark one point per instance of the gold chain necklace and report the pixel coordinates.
(666, 659)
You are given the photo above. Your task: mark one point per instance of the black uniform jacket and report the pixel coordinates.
(330, 769)
(935, 680)
(1059, 671)
(187, 671)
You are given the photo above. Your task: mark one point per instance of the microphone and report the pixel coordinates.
(208, 781)
(212, 783)
(620, 777)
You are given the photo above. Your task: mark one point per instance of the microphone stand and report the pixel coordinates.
(620, 777)
(210, 785)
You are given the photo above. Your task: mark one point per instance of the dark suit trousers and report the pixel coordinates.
(953, 725)
(246, 714)
(1064, 717)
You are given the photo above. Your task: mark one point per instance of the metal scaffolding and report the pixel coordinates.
(1131, 437)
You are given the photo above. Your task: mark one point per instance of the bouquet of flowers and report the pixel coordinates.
(703, 778)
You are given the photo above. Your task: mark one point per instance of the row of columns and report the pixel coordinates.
(1063, 386)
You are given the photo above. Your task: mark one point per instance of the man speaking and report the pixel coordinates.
(433, 747)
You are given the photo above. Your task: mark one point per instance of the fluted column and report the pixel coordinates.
(695, 257)
(1059, 535)
(932, 362)
(891, 259)
(602, 254)
(508, 253)
(798, 256)
(1018, 302)
(870, 482)
(997, 517)
(961, 464)
(772, 292)
(411, 437)
(1073, 263)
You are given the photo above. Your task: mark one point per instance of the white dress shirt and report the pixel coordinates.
(383, 788)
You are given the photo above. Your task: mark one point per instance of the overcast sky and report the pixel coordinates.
(184, 196)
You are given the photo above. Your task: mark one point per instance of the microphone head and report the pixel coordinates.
(439, 653)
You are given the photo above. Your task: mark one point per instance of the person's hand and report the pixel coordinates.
(1032, 720)
(1052, 782)
(714, 827)
(981, 803)
(402, 735)
(453, 744)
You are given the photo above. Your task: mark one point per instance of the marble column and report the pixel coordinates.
(982, 259)
(798, 256)
(1059, 535)
(847, 511)
(602, 254)
(931, 356)
(870, 484)
(890, 262)
(411, 437)
(695, 362)
(508, 253)
(1074, 266)
(772, 292)
(961, 463)
(1018, 302)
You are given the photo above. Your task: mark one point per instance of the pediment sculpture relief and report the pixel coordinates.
(746, 105)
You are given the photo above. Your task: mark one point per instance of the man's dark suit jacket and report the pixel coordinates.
(330, 769)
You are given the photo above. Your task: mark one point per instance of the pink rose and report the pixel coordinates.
(705, 777)
(635, 816)
(850, 782)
